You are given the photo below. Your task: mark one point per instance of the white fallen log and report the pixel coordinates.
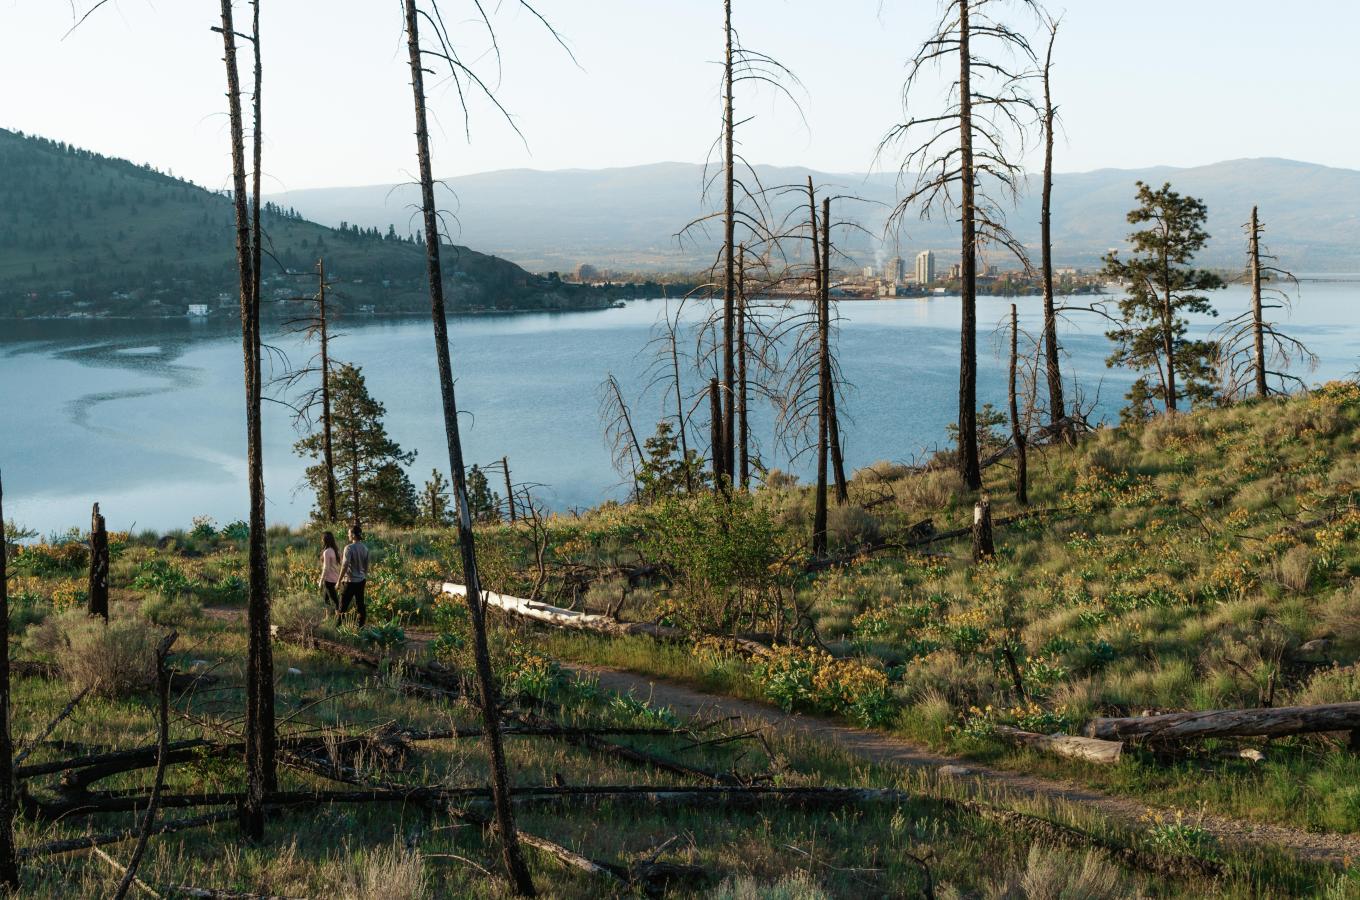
(1267, 722)
(565, 618)
(583, 621)
(1091, 750)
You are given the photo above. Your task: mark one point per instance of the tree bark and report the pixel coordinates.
(969, 467)
(743, 429)
(715, 414)
(823, 350)
(327, 443)
(9, 869)
(833, 432)
(1056, 404)
(1017, 430)
(1257, 326)
(1084, 748)
(260, 764)
(1270, 722)
(983, 548)
(515, 867)
(99, 566)
(729, 246)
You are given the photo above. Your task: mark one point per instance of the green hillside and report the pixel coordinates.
(81, 232)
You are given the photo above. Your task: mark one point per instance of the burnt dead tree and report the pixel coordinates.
(743, 438)
(9, 867)
(509, 489)
(487, 695)
(1057, 406)
(625, 450)
(1255, 355)
(827, 379)
(823, 382)
(1018, 436)
(963, 164)
(261, 772)
(983, 546)
(745, 224)
(327, 442)
(99, 566)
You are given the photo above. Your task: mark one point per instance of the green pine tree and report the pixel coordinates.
(484, 503)
(1163, 287)
(369, 465)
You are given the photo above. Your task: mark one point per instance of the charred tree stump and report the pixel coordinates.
(509, 489)
(983, 548)
(99, 566)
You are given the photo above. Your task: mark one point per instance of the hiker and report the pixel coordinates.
(330, 571)
(354, 574)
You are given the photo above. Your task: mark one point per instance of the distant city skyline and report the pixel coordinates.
(1225, 79)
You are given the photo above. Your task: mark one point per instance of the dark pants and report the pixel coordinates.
(329, 594)
(353, 592)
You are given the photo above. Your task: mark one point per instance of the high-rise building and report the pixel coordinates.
(896, 269)
(925, 267)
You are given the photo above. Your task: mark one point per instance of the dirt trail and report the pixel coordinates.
(981, 780)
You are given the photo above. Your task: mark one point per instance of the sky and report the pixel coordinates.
(1152, 82)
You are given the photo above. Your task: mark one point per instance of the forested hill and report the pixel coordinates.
(84, 233)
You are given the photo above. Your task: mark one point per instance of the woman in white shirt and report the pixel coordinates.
(330, 571)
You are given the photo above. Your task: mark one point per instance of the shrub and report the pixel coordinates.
(117, 658)
(795, 678)
(393, 872)
(61, 558)
(173, 610)
(850, 526)
(790, 887)
(163, 577)
(1052, 874)
(303, 615)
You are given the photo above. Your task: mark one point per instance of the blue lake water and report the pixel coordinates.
(148, 419)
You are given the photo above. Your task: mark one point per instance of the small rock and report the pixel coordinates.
(292, 671)
(198, 664)
(955, 771)
(1252, 754)
(1320, 645)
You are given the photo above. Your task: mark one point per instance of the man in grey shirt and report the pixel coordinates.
(354, 574)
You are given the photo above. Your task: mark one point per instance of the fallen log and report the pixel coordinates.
(1091, 750)
(1267, 722)
(567, 618)
(71, 845)
(582, 621)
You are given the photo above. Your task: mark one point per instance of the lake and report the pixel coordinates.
(147, 417)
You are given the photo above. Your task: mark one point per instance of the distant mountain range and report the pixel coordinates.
(627, 218)
(81, 232)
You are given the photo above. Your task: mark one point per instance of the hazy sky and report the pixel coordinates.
(1181, 82)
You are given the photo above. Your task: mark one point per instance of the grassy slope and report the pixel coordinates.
(1184, 566)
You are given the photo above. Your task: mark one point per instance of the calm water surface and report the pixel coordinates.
(148, 418)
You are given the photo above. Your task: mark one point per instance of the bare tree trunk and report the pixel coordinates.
(1056, 404)
(833, 433)
(509, 489)
(9, 868)
(327, 445)
(969, 467)
(487, 695)
(260, 763)
(729, 246)
(1168, 339)
(680, 409)
(983, 547)
(1017, 429)
(715, 412)
(823, 351)
(99, 565)
(743, 429)
(1257, 327)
